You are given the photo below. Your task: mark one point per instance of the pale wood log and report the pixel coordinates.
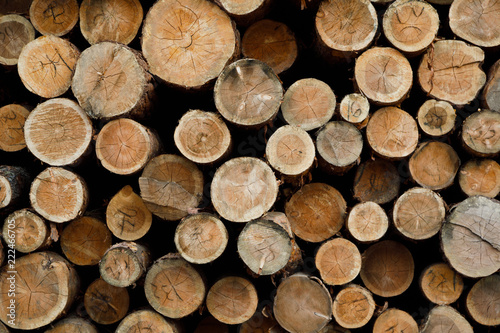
(483, 301)
(440, 284)
(15, 33)
(14, 180)
(376, 180)
(444, 318)
(367, 222)
(148, 321)
(211, 325)
(56, 17)
(353, 306)
(260, 323)
(106, 304)
(338, 262)
(355, 109)
(72, 324)
(491, 92)
(12, 119)
(395, 320)
(480, 177)
(481, 133)
(30, 230)
(245, 12)
(436, 118)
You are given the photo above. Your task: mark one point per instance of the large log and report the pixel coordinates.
(57, 17)
(12, 119)
(15, 32)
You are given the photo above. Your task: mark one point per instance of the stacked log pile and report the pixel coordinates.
(250, 166)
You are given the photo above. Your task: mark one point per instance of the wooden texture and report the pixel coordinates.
(444, 318)
(480, 177)
(56, 17)
(395, 320)
(355, 109)
(367, 222)
(106, 304)
(481, 133)
(149, 321)
(245, 12)
(16, 32)
(491, 92)
(376, 180)
(12, 119)
(338, 261)
(441, 284)
(353, 306)
(483, 301)
(73, 324)
(30, 231)
(436, 118)
(14, 181)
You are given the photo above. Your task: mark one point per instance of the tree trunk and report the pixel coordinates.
(353, 306)
(106, 304)
(367, 222)
(376, 180)
(31, 232)
(338, 262)
(73, 324)
(16, 32)
(491, 92)
(440, 284)
(436, 118)
(245, 12)
(355, 109)
(481, 133)
(12, 119)
(148, 321)
(444, 318)
(54, 18)
(483, 301)
(395, 320)
(480, 177)
(14, 181)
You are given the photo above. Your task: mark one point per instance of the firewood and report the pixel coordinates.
(444, 318)
(212, 325)
(353, 306)
(30, 230)
(106, 304)
(440, 284)
(481, 133)
(73, 324)
(480, 177)
(12, 119)
(376, 180)
(245, 12)
(260, 323)
(483, 301)
(491, 92)
(149, 321)
(333, 328)
(338, 261)
(55, 17)
(14, 181)
(16, 32)
(355, 109)
(367, 222)
(436, 118)
(395, 320)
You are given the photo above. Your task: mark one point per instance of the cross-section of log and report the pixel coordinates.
(355, 109)
(171, 186)
(419, 213)
(72, 324)
(188, 42)
(57, 17)
(451, 70)
(271, 42)
(481, 133)
(112, 80)
(201, 238)
(469, 237)
(110, 20)
(148, 321)
(202, 137)
(243, 189)
(338, 261)
(441, 2)
(174, 287)
(387, 268)
(383, 75)
(13, 181)
(367, 222)
(27, 229)
(245, 12)
(248, 93)
(12, 119)
(15, 33)
(106, 304)
(211, 325)
(480, 177)
(232, 300)
(441, 284)
(308, 103)
(483, 301)
(395, 320)
(124, 263)
(85, 240)
(436, 118)
(316, 212)
(392, 133)
(45, 287)
(298, 313)
(353, 306)
(260, 323)
(410, 25)
(444, 318)
(58, 132)
(124, 146)
(434, 165)
(491, 92)
(376, 180)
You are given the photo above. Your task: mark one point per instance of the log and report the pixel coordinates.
(490, 97)
(440, 284)
(434, 165)
(202, 137)
(387, 268)
(112, 80)
(124, 146)
(333, 328)
(45, 288)
(12, 119)
(419, 213)
(245, 12)
(444, 318)
(338, 262)
(58, 132)
(469, 237)
(187, 43)
(14, 181)
(355, 109)
(316, 212)
(15, 33)
(451, 71)
(481, 133)
(201, 238)
(173, 287)
(395, 320)
(260, 323)
(171, 186)
(29, 230)
(232, 300)
(271, 42)
(148, 321)
(441, 2)
(243, 189)
(376, 180)
(109, 20)
(483, 301)
(308, 103)
(295, 312)
(124, 263)
(248, 93)
(211, 325)
(55, 17)
(106, 304)
(436, 118)
(73, 324)
(367, 222)
(353, 306)
(480, 177)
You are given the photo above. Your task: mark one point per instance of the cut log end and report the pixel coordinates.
(106, 304)
(149, 321)
(483, 301)
(72, 324)
(54, 18)
(367, 222)
(12, 119)
(436, 118)
(444, 318)
(355, 109)
(481, 133)
(20, 32)
(480, 177)
(376, 180)
(338, 261)
(245, 12)
(441, 284)
(353, 307)
(31, 232)
(395, 320)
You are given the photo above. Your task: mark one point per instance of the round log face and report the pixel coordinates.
(444, 318)
(436, 118)
(13, 117)
(355, 109)
(29, 229)
(241, 7)
(480, 177)
(353, 307)
(104, 303)
(339, 143)
(338, 261)
(367, 222)
(19, 32)
(441, 284)
(376, 180)
(481, 132)
(394, 320)
(483, 301)
(55, 17)
(72, 324)
(147, 321)
(121, 266)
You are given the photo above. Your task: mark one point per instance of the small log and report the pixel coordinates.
(248, 93)
(316, 212)
(260, 323)
(16, 32)
(112, 80)
(245, 12)
(17, 7)
(73, 324)
(232, 300)
(395, 320)
(392, 133)
(45, 288)
(355, 109)
(353, 306)
(14, 181)
(444, 318)
(29, 230)
(124, 263)
(387, 268)
(202, 137)
(12, 119)
(271, 42)
(58, 132)
(296, 313)
(480, 177)
(243, 189)
(469, 237)
(188, 42)
(481, 133)
(451, 71)
(308, 104)
(106, 304)
(148, 321)
(483, 301)
(367, 222)
(211, 325)
(376, 180)
(436, 118)
(441, 284)
(109, 20)
(124, 146)
(201, 238)
(434, 165)
(441, 2)
(171, 186)
(338, 261)
(491, 92)
(55, 17)
(174, 287)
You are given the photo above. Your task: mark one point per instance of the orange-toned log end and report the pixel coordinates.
(31, 232)
(483, 301)
(355, 109)
(338, 261)
(245, 12)
(387, 268)
(376, 180)
(260, 323)
(232, 300)
(211, 325)
(441, 284)
(170, 186)
(72, 324)
(12, 119)
(444, 318)
(367, 222)
(148, 321)
(106, 304)
(481, 133)
(19, 32)
(395, 320)
(316, 212)
(491, 92)
(14, 181)
(480, 177)
(56, 17)
(436, 118)
(353, 306)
